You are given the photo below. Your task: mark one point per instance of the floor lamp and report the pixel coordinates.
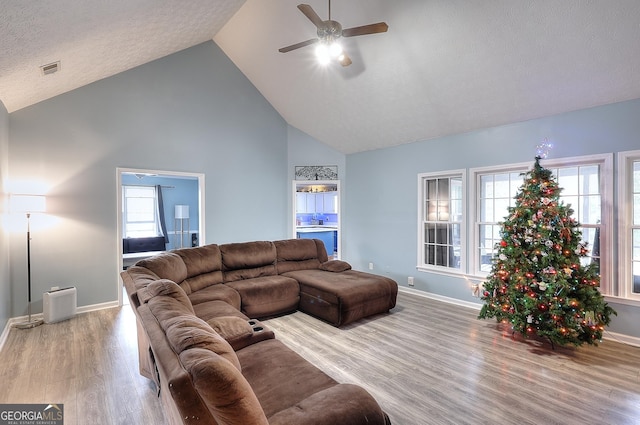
(181, 214)
(28, 204)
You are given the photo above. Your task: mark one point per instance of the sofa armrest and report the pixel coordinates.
(177, 394)
(238, 332)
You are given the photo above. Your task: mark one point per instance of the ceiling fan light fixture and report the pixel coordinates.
(326, 51)
(335, 49)
(322, 53)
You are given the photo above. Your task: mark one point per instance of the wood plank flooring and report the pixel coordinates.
(426, 363)
(433, 363)
(88, 363)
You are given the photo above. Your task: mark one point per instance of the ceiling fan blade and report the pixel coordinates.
(298, 45)
(365, 29)
(345, 60)
(311, 14)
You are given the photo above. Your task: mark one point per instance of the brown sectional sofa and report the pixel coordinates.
(200, 338)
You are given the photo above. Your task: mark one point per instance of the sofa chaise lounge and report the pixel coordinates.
(200, 337)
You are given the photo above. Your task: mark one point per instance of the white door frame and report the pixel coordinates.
(161, 173)
(295, 185)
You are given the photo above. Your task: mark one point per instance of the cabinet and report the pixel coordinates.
(304, 203)
(329, 202)
(328, 237)
(310, 202)
(317, 202)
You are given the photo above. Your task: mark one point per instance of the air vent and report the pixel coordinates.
(50, 68)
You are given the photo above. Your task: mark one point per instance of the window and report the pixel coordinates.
(441, 213)
(496, 191)
(629, 224)
(581, 191)
(587, 186)
(140, 212)
(584, 187)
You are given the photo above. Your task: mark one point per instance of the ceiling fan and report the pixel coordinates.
(329, 34)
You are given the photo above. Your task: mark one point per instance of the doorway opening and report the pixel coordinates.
(317, 213)
(157, 211)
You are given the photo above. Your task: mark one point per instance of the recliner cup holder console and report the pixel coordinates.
(256, 327)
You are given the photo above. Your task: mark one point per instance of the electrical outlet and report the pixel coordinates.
(370, 266)
(410, 280)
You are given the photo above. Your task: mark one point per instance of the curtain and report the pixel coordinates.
(161, 220)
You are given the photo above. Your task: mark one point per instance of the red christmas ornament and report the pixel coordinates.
(503, 243)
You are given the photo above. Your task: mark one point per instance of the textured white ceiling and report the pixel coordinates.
(94, 39)
(444, 67)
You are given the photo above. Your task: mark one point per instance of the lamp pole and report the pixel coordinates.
(29, 324)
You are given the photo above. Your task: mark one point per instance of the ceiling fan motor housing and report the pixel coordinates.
(329, 31)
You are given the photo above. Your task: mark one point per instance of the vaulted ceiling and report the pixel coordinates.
(444, 66)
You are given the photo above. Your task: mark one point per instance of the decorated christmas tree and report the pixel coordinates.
(537, 283)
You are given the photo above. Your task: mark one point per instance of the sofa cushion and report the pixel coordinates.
(344, 297)
(268, 295)
(223, 389)
(188, 332)
(350, 404)
(248, 260)
(216, 292)
(216, 308)
(204, 266)
(350, 287)
(299, 254)
(166, 265)
(280, 377)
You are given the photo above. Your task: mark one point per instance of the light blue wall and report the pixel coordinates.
(175, 191)
(5, 287)
(193, 111)
(380, 224)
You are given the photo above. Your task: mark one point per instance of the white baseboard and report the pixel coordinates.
(20, 319)
(449, 300)
(609, 336)
(5, 333)
(95, 307)
(624, 339)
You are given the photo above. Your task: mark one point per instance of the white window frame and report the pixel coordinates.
(156, 221)
(474, 214)
(605, 164)
(421, 265)
(625, 162)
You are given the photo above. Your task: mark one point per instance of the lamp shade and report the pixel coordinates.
(27, 203)
(182, 211)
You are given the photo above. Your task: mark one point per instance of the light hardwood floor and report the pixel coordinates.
(426, 362)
